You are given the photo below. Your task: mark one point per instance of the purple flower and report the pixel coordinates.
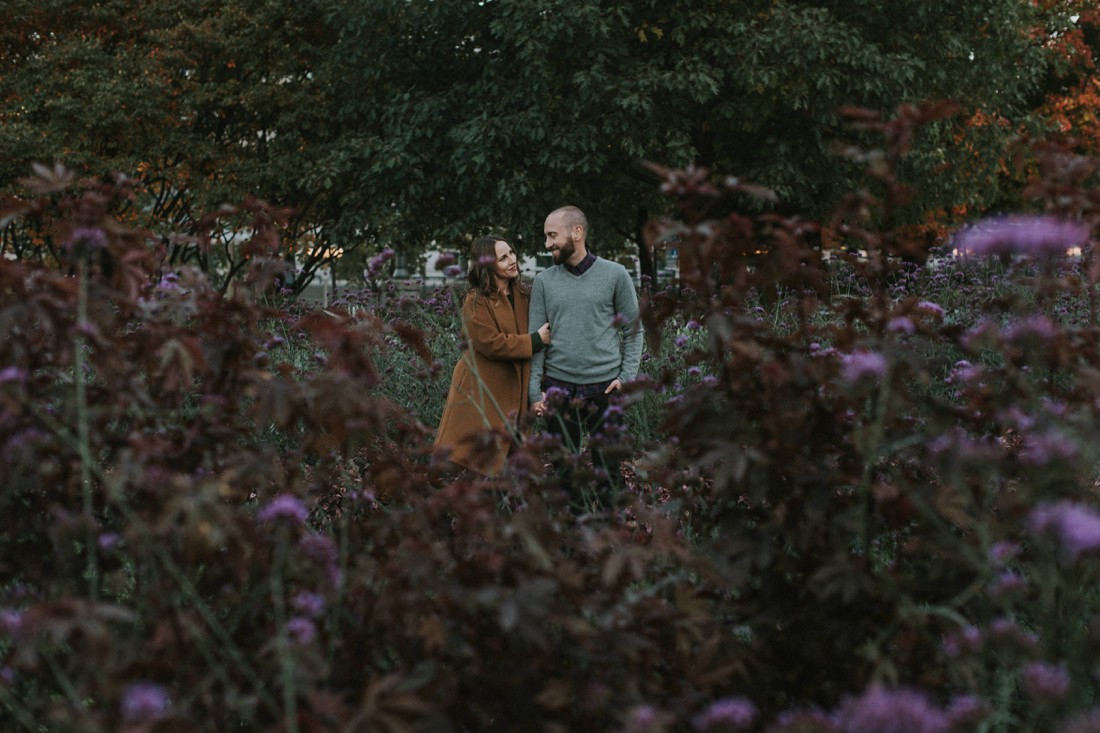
(681, 341)
(284, 506)
(11, 621)
(647, 719)
(1006, 583)
(108, 540)
(1022, 235)
(1075, 526)
(322, 549)
(12, 374)
(731, 712)
(1002, 552)
(169, 281)
(693, 325)
(901, 324)
(310, 604)
(301, 630)
(965, 374)
(556, 395)
(1046, 448)
(863, 364)
(1043, 681)
(1035, 327)
(930, 309)
(89, 237)
(883, 710)
(1006, 630)
(318, 547)
(144, 701)
(376, 263)
(966, 639)
(967, 709)
(452, 271)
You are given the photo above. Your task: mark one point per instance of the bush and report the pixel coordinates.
(862, 498)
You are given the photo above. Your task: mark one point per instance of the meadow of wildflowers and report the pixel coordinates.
(861, 499)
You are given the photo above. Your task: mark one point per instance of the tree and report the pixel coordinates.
(399, 123)
(1072, 92)
(203, 103)
(469, 116)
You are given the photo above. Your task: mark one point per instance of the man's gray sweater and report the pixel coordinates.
(595, 335)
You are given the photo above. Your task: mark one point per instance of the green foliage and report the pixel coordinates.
(199, 103)
(489, 115)
(389, 123)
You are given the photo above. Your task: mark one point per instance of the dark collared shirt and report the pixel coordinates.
(582, 266)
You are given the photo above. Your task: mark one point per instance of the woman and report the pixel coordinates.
(488, 391)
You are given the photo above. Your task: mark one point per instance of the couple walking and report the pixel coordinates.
(573, 336)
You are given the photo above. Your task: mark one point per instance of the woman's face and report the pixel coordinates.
(506, 266)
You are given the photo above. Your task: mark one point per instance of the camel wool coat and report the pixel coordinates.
(488, 393)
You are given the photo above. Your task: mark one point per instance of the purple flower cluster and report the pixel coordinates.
(309, 604)
(901, 324)
(966, 640)
(1033, 328)
(1042, 449)
(1044, 681)
(931, 309)
(374, 267)
(863, 365)
(1002, 552)
(144, 701)
(1022, 235)
(301, 631)
(1076, 527)
(885, 710)
(647, 719)
(11, 621)
(1007, 583)
(966, 709)
(87, 237)
(730, 712)
(1007, 632)
(284, 506)
(322, 549)
(12, 374)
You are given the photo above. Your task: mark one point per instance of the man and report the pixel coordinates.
(592, 307)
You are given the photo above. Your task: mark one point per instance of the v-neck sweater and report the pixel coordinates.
(595, 334)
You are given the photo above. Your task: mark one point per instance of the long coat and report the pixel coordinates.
(488, 391)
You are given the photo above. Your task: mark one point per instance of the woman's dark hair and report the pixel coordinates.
(483, 258)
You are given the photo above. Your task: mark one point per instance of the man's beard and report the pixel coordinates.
(563, 253)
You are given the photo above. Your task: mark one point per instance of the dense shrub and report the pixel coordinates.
(861, 494)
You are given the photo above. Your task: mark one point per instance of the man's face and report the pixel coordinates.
(559, 239)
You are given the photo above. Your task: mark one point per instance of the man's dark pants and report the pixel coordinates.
(577, 409)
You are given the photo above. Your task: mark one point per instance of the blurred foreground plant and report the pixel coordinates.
(855, 509)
